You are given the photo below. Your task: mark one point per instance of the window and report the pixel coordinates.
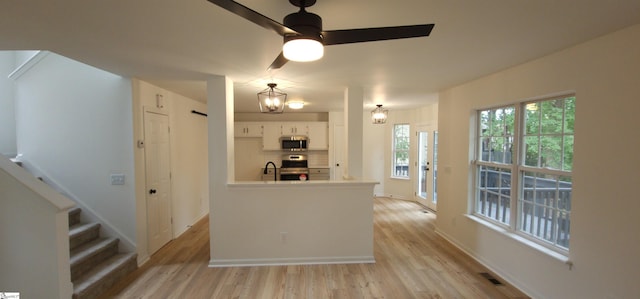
(524, 160)
(400, 161)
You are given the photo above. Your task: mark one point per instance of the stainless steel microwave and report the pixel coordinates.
(294, 143)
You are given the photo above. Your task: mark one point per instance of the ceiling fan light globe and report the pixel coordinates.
(303, 50)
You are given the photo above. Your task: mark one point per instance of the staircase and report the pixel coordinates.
(96, 264)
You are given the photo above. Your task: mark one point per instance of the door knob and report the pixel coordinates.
(152, 191)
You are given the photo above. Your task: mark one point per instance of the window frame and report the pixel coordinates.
(394, 151)
(518, 169)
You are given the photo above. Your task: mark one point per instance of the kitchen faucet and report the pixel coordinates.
(275, 170)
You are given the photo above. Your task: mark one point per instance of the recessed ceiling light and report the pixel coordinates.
(295, 105)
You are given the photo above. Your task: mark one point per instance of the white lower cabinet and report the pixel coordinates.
(316, 174)
(272, 174)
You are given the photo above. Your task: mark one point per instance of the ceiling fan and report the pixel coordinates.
(303, 35)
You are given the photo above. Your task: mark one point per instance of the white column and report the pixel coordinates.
(353, 103)
(220, 131)
(221, 154)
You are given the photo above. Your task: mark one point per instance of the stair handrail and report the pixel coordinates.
(56, 199)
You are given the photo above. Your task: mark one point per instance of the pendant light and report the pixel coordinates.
(272, 100)
(379, 115)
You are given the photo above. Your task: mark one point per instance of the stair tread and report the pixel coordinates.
(85, 251)
(101, 270)
(82, 227)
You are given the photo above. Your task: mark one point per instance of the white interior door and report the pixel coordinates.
(426, 166)
(158, 180)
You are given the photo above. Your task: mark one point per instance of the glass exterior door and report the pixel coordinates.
(426, 192)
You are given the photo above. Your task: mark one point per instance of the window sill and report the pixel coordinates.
(400, 178)
(542, 249)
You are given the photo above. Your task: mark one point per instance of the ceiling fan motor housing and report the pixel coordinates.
(308, 24)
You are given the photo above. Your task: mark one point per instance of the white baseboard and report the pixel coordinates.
(395, 196)
(514, 282)
(219, 263)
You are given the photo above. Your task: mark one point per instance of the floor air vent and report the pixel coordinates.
(490, 278)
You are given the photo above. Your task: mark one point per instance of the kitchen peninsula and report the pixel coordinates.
(283, 222)
(294, 222)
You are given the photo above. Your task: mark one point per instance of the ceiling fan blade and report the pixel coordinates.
(253, 16)
(348, 36)
(278, 63)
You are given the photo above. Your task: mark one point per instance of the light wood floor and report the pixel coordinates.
(411, 262)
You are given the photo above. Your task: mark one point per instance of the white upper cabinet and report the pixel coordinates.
(318, 135)
(271, 136)
(272, 131)
(248, 129)
(292, 128)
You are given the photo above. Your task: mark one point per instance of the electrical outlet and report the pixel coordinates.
(283, 237)
(117, 179)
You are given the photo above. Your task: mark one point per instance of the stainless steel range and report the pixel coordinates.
(294, 168)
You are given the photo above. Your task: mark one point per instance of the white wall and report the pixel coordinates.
(605, 241)
(7, 118)
(373, 152)
(189, 158)
(403, 188)
(74, 126)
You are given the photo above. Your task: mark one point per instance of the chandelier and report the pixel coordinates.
(272, 100)
(379, 115)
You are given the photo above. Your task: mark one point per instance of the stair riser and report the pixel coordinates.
(84, 237)
(74, 217)
(100, 255)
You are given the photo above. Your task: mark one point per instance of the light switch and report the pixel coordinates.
(117, 179)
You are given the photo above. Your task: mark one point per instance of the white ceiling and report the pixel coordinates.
(177, 44)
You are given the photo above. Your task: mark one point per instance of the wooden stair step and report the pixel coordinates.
(84, 257)
(82, 233)
(103, 276)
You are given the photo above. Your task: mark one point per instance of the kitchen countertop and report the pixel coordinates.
(296, 184)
